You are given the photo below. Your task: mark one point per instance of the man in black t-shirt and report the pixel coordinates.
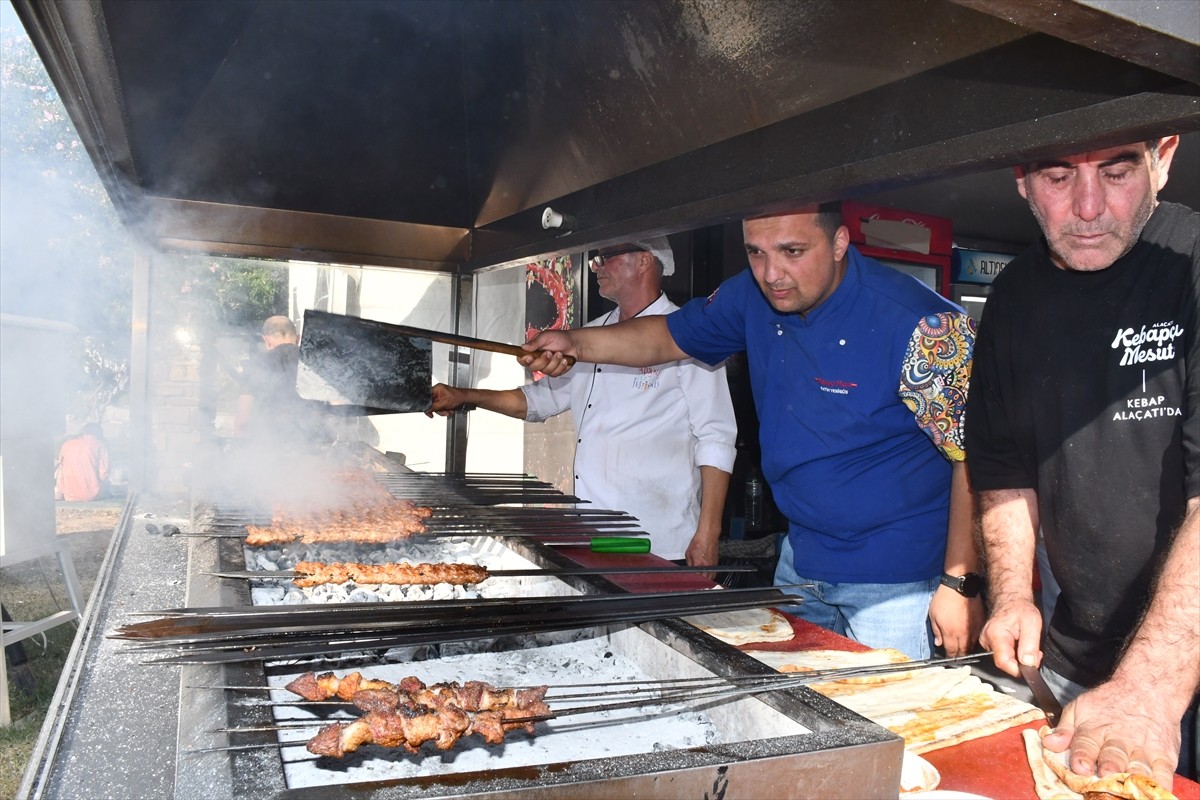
(1084, 419)
(268, 408)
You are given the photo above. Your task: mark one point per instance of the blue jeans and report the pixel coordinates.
(877, 614)
(1050, 590)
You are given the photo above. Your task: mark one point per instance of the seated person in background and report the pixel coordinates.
(82, 472)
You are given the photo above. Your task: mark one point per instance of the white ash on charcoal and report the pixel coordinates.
(601, 657)
(575, 657)
(450, 551)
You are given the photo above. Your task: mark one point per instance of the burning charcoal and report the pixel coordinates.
(418, 593)
(268, 595)
(265, 564)
(443, 591)
(294, 598)
(363, 596)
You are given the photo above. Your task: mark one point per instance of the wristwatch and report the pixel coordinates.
(969, 585)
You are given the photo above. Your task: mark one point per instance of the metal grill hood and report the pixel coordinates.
(433, 134)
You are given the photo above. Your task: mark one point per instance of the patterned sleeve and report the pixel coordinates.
(936, 376)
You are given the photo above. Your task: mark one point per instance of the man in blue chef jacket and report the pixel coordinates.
(859, 375)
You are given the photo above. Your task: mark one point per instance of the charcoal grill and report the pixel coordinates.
(119, 727)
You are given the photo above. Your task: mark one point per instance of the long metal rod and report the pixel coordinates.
(422, 608)
(321, 649)
(455, 512)
(717, 689)
(514, 573)
(559, 531)
(673, 684)
(341, 627)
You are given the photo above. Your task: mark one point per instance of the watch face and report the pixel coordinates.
(971, 584)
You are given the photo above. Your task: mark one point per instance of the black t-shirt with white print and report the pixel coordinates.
(1086, 387)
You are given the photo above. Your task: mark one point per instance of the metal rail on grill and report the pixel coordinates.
(207, 636)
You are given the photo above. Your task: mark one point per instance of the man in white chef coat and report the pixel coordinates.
(656, 442)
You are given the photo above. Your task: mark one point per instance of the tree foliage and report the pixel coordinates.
(65, 255)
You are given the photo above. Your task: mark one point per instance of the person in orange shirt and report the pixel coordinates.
(82, 472)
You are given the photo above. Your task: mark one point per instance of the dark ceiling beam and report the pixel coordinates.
(1023, 100)
(1164, 36)
(1104, 125)
(247, 231)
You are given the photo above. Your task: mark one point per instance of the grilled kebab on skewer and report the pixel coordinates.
(410, 726)
(314, 573)
(471, 696)
(387, 522)
(409, 713)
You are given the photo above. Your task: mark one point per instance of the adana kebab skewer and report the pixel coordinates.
(312, 573)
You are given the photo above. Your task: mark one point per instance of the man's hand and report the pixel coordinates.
(445, 400)
(956, 621)
(703, 551)
(553, 345)
(1117, 727)
(1014, 633)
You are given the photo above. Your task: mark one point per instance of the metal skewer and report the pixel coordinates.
(717, 689)
(652, 684)
(514, 573)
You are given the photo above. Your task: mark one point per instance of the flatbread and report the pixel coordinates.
(1054, 779)
(923, 690)
(1047, 785)
(930, 708)
(809, 660)
(970, 710)
(745, 626)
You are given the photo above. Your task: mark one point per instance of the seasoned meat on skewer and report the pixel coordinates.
(378, 523)
(348, 512)
(471, 696)
(311, 686)
(410, 726)
(315, 573)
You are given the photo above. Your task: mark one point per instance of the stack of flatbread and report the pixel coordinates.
(1054, 780)
(929, 708)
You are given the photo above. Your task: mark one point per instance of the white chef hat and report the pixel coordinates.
(660, 248)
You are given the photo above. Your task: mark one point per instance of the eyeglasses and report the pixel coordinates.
(597, 259)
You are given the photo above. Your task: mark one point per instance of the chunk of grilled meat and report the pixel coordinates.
(311, 686)
(410, 726)
(369, 694)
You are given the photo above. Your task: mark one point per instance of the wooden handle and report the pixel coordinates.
(470, 342)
